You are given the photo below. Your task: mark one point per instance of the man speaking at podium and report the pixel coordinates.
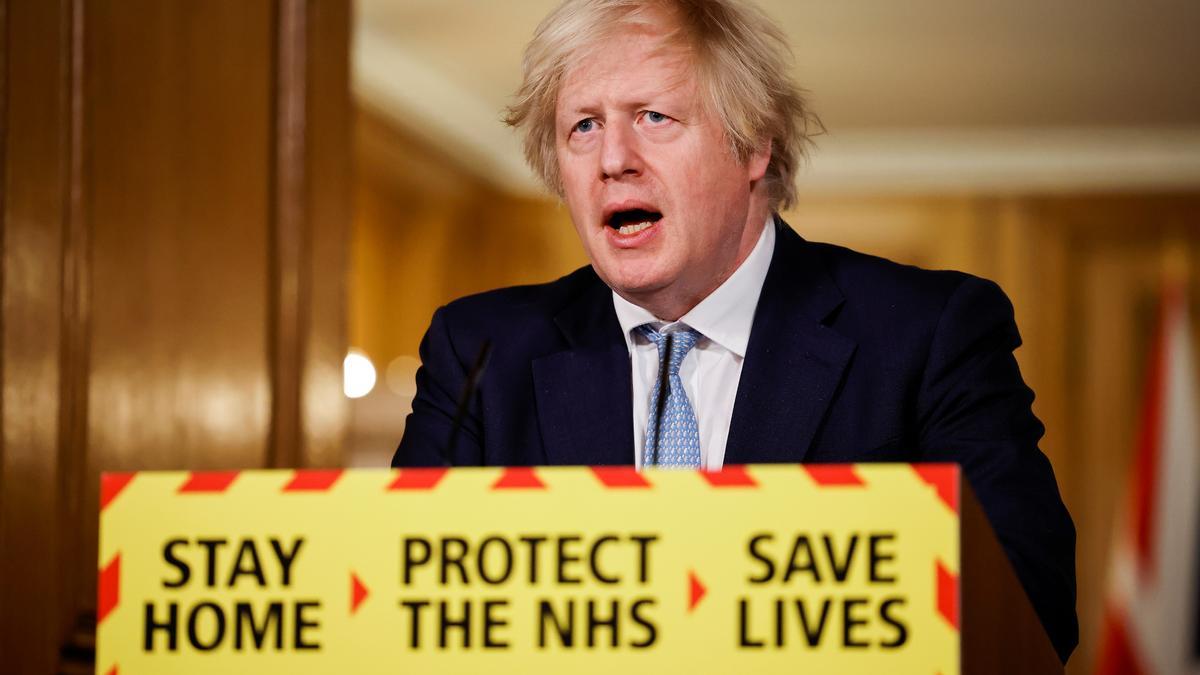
(706, 331)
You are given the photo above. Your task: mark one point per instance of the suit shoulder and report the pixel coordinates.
(862, 275)
(910, 294)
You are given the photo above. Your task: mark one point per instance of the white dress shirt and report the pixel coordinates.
(712, 370)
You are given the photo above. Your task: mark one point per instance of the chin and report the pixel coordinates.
(638, 274)
(637, 286)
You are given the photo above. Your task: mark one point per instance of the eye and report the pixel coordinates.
(656, 117)
(585, 126)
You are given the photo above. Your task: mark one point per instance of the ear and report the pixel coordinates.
(756, 164)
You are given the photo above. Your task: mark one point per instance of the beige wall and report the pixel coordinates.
(1081, 270)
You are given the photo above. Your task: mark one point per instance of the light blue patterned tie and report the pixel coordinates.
(680, 442)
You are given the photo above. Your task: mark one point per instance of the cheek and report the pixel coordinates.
(700, 189)
(578, 213)
(714, 198)
(576, 188)
(568, 159)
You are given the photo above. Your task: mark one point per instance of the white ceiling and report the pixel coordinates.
(991, 94)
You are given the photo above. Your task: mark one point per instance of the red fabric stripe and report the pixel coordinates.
(833, 474)
(518, 478)
(313, 480)
(620, 477)
(729, 476)
(209, 481)
(418, 479)
(112, 671)
(1147, 451)
(947, 595)
(108, 589)
(944, 479)
(1117, 656)
(111, 485)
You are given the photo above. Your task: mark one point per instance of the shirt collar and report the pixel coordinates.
(727, 314)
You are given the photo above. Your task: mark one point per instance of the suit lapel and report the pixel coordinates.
(584, 393)
(794, 362)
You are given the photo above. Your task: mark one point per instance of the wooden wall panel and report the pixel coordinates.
(329, 165)
(159, 205)
(178, 186)
(75, 351)
(178, 142)
(289, 240)
(36, 61)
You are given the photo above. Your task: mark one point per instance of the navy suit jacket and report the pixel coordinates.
(851, 358)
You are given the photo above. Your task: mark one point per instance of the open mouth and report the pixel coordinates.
(631, 221)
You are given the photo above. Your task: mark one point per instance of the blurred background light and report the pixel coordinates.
(401, 375)
(358, 375)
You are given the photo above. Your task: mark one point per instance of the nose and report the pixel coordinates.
(619, 156)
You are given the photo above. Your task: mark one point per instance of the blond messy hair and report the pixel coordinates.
(741, 61)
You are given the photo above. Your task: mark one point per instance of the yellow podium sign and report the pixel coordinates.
(763, 569)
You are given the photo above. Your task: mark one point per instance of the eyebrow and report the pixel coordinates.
(592, 110)
(669, 98)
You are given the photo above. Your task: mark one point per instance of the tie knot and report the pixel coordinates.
(681, 341)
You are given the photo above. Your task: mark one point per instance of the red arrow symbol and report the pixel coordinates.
(696, 590)
(358, 592)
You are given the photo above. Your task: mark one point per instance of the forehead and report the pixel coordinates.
(634, 60)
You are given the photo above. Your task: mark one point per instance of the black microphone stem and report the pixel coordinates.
(661, 403)
(464, 401)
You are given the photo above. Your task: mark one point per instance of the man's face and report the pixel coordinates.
(664, 210)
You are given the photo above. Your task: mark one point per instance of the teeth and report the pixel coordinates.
(634, 229)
